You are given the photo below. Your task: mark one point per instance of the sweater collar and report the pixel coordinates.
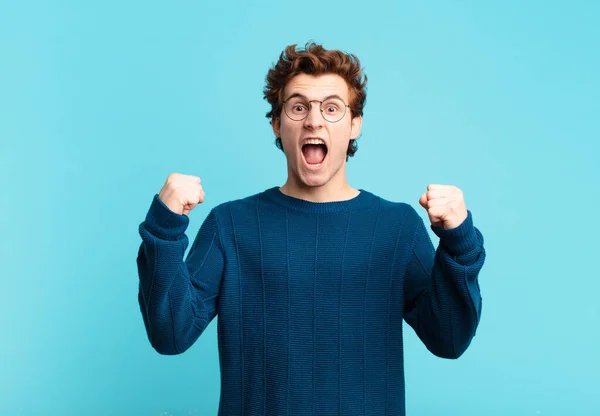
(362, 200)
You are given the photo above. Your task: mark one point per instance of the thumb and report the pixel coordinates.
(423, 200)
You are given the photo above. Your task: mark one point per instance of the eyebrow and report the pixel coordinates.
(297, 94)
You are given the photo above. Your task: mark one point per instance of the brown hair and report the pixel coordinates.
(315, 60)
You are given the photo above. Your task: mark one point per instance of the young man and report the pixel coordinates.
(311, 280)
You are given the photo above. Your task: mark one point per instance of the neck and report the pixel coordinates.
(330, 192)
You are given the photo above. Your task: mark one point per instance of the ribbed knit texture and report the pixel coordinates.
(310, 298)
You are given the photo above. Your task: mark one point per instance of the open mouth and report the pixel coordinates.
(314, 154)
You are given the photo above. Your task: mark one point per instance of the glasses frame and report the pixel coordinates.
(310, 109)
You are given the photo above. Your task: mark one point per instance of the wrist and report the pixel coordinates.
(163, 222)
(458, 240)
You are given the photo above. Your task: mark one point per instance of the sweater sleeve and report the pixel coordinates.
(442, 295)
(177, 297)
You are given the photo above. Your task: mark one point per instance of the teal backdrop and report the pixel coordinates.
(100, 101)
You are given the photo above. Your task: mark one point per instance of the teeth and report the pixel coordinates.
(314, 141)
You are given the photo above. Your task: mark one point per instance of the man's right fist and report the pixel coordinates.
(181, 193)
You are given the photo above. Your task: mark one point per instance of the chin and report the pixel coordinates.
(314, 182)
(314, 175)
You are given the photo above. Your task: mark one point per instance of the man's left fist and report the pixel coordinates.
(445, 206)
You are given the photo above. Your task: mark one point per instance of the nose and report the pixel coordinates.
(314, 119)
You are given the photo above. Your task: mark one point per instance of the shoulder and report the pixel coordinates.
(399, 215)
(239, 204)
(395, 206)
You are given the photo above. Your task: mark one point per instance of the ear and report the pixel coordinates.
(276, 125)
(356, 126)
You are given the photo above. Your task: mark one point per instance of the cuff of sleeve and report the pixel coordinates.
(459, 240)
(163, 222)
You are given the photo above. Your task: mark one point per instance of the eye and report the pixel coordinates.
(332, 106)
(298, 108)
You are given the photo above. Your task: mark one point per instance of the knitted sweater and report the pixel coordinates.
(310, 298)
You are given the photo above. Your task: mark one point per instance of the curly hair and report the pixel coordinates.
(313, 59)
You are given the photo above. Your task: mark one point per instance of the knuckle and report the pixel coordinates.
(172, 178)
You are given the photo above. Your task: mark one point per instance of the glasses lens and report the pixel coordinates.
(333, 109)
(296, 108)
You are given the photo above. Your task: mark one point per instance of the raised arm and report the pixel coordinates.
(442, 294)
(177, 297)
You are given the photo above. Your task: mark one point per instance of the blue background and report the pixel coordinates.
(100, 101)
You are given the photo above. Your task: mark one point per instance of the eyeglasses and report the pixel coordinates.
(332, 109)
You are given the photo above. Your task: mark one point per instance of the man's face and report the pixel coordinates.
(316, 165)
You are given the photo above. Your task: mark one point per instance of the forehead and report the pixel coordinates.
(317, 87)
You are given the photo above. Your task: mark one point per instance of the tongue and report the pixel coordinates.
(313, 153)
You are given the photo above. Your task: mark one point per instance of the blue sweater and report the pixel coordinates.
(310, 298)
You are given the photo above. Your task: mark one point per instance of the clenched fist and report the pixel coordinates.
(445, 205)
(181, 193)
